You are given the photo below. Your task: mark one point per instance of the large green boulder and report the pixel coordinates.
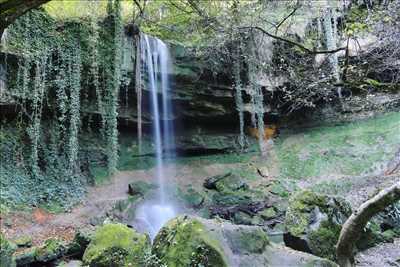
(191, 241)
(116, 245)
(185, 241)
(6, 252)
(314, 221)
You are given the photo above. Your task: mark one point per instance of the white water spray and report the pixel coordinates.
(157, 63)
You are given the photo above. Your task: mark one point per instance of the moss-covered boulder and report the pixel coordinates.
(225, 183)
(23, 241)
(314, 221)
(116, 245)
(6, 252)
(191, 197)
(50, 250)
(247, 240)
(191, 241)
(80, 242)
(185, 241)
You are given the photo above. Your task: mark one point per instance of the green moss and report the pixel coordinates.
(51, 250)
(191, 197)
(186, 242)
(6, 252)
(298, 215)
(268, 213)
(347, 149)
(322, 241)
(116, 245)
(248, 240)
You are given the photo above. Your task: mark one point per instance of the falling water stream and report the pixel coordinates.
(156, 62)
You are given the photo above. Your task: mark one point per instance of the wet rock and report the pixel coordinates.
(192, 241)
(210, 182)
(25, 257)
(268, 213)
(7, 249)
(195, 144)
(263, 172)
(191, 197)
(242, 218)
(116, 245)
(314, 222)
(225, 182)
(140, 188)
(248, 240)
(184, 241)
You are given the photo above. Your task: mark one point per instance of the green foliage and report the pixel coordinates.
(112, 76)
(6, 251)
(60, 68)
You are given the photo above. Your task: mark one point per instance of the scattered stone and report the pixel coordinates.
(242, 218)
(210, 182)
(116, 245)
(225, 183)
(140, 188)
(263, 172)
(193, 198)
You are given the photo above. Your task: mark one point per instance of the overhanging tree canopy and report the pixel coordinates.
(12, 9)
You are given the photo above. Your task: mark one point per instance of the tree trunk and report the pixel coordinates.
(355, 224)
(394, 164)
(12, 9)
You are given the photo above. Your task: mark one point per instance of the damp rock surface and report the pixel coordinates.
(193, 241)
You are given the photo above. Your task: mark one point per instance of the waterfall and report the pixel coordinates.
(156, 62)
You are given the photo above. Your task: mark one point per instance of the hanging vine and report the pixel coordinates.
(138, 86)
(94, 63)
(74, 109)
(112, 77)
(37, 105)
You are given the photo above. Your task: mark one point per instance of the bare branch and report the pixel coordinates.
(355, 224)
(287, 17)
(302, 47)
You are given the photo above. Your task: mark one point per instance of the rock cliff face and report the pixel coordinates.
(205, 112)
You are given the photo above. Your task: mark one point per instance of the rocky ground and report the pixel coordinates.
(248, 190)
